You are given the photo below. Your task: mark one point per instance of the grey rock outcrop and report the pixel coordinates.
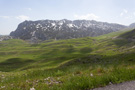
(2, 38)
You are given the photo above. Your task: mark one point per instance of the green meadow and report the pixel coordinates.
(72, 64)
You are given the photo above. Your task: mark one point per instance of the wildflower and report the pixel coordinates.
(12, 85)
(32, 88)
(27, 81)
(2, 86)
(47, 78)
(2, 76)
(58, 78)
(37, 81)
(91, 75)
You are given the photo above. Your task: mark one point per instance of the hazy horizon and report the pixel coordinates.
(111, 11)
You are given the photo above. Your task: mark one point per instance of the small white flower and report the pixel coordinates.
(58, 78)
(37, 81)
(32, 88)
(2, 75)
(27, 81)
(2, 86)
(91, 75)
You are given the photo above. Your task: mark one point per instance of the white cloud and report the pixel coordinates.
(6, 17)
(123, 12)
(22, 17)
(90, 16)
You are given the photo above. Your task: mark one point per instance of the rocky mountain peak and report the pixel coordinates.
(63, 29)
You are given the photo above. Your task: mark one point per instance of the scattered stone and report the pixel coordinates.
(51, 81)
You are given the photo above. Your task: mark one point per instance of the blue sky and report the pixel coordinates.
(13, 12)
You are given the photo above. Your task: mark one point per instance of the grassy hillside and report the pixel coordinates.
(128, 35)
(73, 64)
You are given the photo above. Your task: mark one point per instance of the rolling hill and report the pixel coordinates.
(71, 64)
(129, 35)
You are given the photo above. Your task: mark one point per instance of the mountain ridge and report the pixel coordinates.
(63, 29)
(132, 25)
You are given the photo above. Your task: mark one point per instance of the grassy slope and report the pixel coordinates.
(74, 64)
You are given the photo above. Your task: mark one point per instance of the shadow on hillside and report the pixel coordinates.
(87, 63)
(128, 35)
(121, 42)
(67, 62)
(102, 60)
(14, 64)
(62, 62)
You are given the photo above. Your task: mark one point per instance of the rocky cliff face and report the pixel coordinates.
(2, 38)
(62, 29)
